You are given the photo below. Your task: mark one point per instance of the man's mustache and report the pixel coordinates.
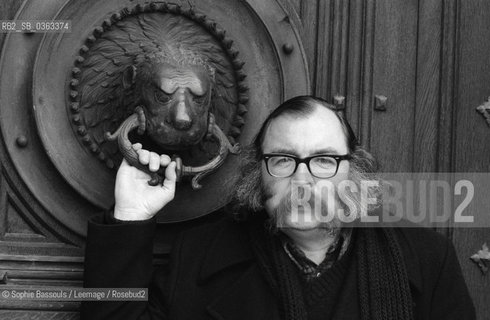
(301, 191)
(291, 198)
(315, 202)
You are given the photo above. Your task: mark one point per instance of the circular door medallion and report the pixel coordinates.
(79, 90)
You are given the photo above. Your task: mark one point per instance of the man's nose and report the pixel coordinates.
(303, 174)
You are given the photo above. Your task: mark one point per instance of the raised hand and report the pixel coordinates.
(135, 198)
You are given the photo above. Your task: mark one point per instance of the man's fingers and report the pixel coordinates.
(144, 156)
(154, 164)
(170, 176)
(152, 159)
(164, 160)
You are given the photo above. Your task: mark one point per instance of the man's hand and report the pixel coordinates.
(135, 198)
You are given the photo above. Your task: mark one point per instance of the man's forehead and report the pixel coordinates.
(305, 134)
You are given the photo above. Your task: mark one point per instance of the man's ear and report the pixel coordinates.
(129, 76)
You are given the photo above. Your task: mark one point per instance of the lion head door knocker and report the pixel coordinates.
(169, 75)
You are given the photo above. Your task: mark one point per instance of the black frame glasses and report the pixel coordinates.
(267, 156)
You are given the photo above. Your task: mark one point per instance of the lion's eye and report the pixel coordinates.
(199, 99)
(161, 97)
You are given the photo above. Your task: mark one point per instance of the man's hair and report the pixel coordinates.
(303, 106)
(249, 191)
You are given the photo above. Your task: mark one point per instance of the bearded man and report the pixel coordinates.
(276, 257)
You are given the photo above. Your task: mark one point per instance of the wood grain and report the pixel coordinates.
(394, 69)
(367, 72)
(449, 76)
(355, 64)
(29, 315)
(427, 98)
(471, 135)
(308, 13)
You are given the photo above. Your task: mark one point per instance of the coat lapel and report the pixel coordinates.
(412, 263)
(229, 248)
(247, 297)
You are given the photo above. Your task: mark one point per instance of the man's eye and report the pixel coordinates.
(281, 161)
(161, 97)
(324, 161)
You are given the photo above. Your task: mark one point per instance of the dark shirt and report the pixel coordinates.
(309, 269)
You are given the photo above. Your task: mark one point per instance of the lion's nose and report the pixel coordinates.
(182, 124)
(182, 121)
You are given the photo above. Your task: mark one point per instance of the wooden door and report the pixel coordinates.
(409, 75)
(471, 133)
(430, 60)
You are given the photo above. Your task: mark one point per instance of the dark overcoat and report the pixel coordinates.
(213, 274)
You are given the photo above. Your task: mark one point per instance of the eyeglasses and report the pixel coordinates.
(320, 166)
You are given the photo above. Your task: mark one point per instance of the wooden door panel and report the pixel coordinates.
(472, 135)
(394, 72)
(428, 83)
